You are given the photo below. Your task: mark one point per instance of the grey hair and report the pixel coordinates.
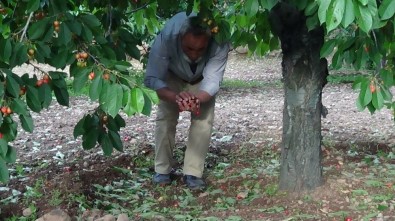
(194, 26)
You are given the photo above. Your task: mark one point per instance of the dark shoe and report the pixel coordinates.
(161, 179)
(194, 183)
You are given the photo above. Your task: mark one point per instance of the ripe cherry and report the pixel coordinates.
(56, 23)
(1, 135)
(106, 76)
(91, 75)
(4, 109)
(84, 55)
(39, 83)
(31, 51)
(22, 91)
(372, 87)
(215, 30)
(46, 79)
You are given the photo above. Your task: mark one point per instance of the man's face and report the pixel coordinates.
(194, 46)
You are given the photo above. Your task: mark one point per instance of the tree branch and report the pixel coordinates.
(109, 20)
(26, 26)
(139, 8)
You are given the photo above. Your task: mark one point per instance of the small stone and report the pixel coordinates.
(27, 212)
(95, 213)
(123, 217)
(106, 218)
(86, 164)
(55, 215)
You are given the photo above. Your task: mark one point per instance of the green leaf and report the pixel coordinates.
(349, 15)
(364, 2)
(11, 155)
(18, 106)
(62, 96)
(387, 76)
(122, 66)
(5, 53)
(127, 100)
(364, 18)
(151, 94)
(59, 59)
(311, 8)
(19, 55)
(33, 5)
(327, 48)
(120, 121)
(322, 10)
(312, 22)
(32, 99)
(74, 26)
(96, 87)
(38, 28)
(335, 14)
(387, 9)
(115, 140)
(12, 87)
(64, 35)
(27, 122)
(45, 95)
(43, 49)
(106, 145)
(251, 7)
(86, 34)
(137, 101)
(80, 79)
(9, 129)
(147, 106)
(111, 99)
(89, 139)
(365, 95)
(3, 148)
(79, 128)
(90, 20)
(112, 125)
(4, 174)
(268, 4)
(378, 100)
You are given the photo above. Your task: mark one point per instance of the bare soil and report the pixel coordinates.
(246, 119)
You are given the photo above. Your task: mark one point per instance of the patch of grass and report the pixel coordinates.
(343, 78)
(241, 84)
(56, 198)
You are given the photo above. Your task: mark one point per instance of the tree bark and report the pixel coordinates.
(304, 75)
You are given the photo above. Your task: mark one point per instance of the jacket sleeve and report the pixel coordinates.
(158, 63)
(214, 71)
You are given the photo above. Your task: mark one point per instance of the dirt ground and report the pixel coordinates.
(242, 116)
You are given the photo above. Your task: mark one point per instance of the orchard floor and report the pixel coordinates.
(53, 171)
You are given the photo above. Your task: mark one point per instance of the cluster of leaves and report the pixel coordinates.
(94, 39)
(365, 42)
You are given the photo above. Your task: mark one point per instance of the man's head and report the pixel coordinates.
(194, 39)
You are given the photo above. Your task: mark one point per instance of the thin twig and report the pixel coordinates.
(139, 8)
(110, 21)
(26, 26)
(37, 68)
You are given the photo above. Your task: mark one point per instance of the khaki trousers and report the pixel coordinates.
(198, 137)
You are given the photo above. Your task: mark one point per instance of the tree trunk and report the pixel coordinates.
(304, 76)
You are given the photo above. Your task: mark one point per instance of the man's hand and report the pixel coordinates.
(188, 102)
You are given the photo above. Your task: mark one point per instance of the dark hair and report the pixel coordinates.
(194, 26)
